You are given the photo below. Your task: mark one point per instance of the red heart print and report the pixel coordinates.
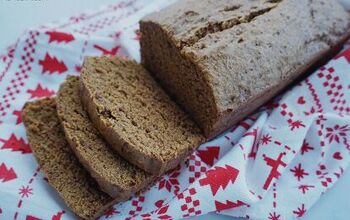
(337, 156)
(301, 100)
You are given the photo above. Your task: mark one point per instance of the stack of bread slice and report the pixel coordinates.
(112, 131)
(108, 134)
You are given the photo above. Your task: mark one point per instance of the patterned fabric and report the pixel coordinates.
(274, 165)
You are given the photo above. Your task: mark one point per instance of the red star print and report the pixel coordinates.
(305, 148)
(299, 172)
(110, 212)
(25, 191)
(274, 216)
(169, 181)
(265, 139)
(305, 188)
(300, 211)
(295, 124)
(336, 132)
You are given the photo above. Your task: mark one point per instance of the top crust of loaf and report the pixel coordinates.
(135, 115)
(222, 59)
(115, 175)
(78, 190)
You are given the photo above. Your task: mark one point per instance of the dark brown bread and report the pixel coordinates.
(115, 175)
(64, 173)
(222, 59)
(135, 115)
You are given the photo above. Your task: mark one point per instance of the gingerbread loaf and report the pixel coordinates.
(221, 60)
(135, 115)
(115, 175)
(56, 159)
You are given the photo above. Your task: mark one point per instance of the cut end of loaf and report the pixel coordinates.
(135, 115)
(65, 174)
(115, 175)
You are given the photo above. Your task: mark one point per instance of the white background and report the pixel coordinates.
(17, 15)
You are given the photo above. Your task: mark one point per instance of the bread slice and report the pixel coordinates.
(64, 173)
(115, 175)
(223, 59)
(135, 115)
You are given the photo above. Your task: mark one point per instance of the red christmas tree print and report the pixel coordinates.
(209, 155)
(52, 64)
(25, 191)
(7, 174)
(274, 164)
(300, 211)
(110, 212)
(40, 92)
(58, 215)
(106, 52)
(219, 177)
(228, 205)
(305, 148)
(59, 37)
(18, 114)
(299, 172)
(16, 144)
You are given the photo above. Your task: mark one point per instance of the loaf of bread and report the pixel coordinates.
(222, 59)
(56, 159)
(115, 175)
(135, 115)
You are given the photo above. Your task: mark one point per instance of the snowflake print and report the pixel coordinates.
(265, 139)
(336, 132)
(305, 188)
(25, 191)
(306, 148)
(299, 172)
(296, 124)
(110, 212)
(170, 180)
(300, 211)
(274, 216)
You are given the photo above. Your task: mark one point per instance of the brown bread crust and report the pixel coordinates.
(220, 60)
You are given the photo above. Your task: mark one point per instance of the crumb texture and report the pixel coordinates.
(114, 174)
(136, 110)
(57, 160)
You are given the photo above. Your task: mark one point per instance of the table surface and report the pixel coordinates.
(17, 15)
